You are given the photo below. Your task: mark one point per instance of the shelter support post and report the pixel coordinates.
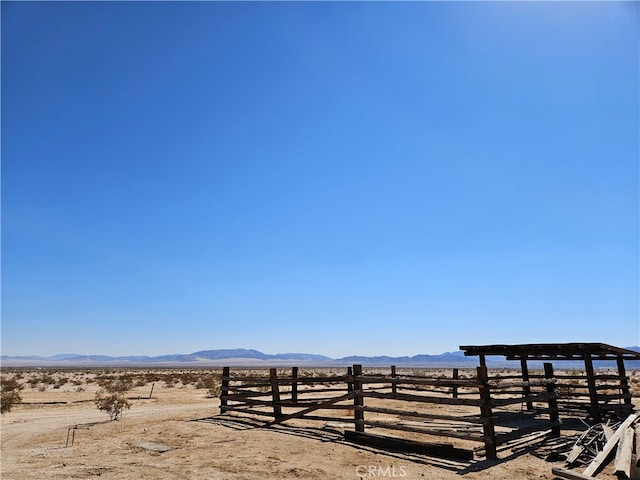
(488, 428)
(624, 383)
(593, 392)
(275, 393)
(553, 402)
(526, 390)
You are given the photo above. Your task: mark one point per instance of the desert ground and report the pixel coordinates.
(58, 433)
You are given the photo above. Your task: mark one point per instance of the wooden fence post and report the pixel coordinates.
(488, 429)
(358, 399)
(593, 391)
(275, 393)
(394, 387)
(224, 389)
(350, 374)
(624, 383)
(553, 401)
(526, 389)
(294, 384)
(455, 387)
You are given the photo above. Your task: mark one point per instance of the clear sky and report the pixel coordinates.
(332, 178)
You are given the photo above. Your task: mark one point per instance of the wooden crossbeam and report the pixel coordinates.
(301, 413)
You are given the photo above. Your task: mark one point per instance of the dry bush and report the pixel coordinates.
(39, 381)
(9, 394)
(111, 399)
(60, 382)
(214, 391)
(208, 381)
(111, 403)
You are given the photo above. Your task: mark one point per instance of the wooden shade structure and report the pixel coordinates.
(585, 352)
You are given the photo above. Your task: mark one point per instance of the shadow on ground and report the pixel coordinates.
(335, 435)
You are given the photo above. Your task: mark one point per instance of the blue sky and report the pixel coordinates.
(333, 178)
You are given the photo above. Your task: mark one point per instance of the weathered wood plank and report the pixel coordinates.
(358, 399)
(251, 411)
(622, 462)
(608, 431)
(275, 392)
(427, 431)
(242, 392)
(486, 403)
(554, 418)
(502, 438)
(404, 413)
(564, 473)
(593, 394)
(540, 397)
(224, 390)
(294, 384)
(324, 418)
(309, 409)
(598, 462)
(442, 382)
(574, 454)
(423, 398)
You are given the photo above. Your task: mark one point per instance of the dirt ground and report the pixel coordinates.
(201, 444)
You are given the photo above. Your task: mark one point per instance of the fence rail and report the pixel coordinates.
(285, 395)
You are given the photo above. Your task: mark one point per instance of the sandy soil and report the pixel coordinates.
(203, 444)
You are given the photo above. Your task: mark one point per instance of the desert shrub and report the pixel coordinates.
(103, 381)
(9, 394)
(111, 398)
(47, 379)
(111, 403)
(151, 377)
(60, 382)
(39, 380)
(120, 385)
(208, 381)
(214, 391)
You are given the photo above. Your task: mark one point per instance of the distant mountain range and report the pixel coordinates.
(238, 356)
(247, 357)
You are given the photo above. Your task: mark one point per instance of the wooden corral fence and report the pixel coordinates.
(478, 409)
(608, 394)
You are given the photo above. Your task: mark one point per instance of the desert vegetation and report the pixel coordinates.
(9, 393)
